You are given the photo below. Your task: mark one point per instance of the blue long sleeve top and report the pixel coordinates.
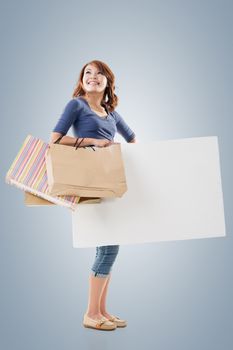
(86, 123)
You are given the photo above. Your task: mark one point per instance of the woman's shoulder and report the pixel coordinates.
(116, 115)
(76, 101)
(74, 104)
(80, 100)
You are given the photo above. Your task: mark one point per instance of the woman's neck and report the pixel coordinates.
(94, 100)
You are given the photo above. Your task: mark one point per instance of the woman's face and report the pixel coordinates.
(93, 79)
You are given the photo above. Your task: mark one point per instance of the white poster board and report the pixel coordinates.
(174, 193)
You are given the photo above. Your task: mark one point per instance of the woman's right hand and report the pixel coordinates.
(102, 142)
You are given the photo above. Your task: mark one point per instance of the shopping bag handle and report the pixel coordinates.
(80, 144)
(59, 139)
(76, 144)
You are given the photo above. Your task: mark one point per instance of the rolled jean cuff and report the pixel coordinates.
(97, 274)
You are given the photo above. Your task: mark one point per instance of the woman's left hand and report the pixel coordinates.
(112, 143)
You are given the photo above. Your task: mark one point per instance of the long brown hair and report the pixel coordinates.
(110, 99)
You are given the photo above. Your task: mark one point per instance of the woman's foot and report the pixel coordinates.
(118, 321)
(106, 314)
(97, 322)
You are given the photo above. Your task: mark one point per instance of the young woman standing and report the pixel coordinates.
(91, 112)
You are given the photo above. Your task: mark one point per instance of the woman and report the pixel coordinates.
(91, 113)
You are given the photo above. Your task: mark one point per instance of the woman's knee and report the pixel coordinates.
(108, 250)
(105, 259)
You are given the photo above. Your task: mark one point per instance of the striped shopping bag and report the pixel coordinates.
(28, 172)
(30, 200)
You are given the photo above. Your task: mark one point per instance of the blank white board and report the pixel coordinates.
(174, 193)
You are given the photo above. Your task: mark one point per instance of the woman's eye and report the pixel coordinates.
(90, 72)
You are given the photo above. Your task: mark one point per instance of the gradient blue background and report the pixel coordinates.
(173, 66)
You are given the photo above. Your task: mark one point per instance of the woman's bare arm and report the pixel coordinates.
(70, 141)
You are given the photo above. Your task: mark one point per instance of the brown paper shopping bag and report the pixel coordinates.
(33, 200)
(85, 171)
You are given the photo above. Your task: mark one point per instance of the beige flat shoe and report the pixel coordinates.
(119, 322)
(101, 324)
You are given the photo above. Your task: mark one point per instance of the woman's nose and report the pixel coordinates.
(94, 75)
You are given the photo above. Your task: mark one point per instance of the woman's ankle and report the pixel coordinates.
(94, 314)
(103, 311)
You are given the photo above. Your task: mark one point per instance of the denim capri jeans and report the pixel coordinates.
(104, 259)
